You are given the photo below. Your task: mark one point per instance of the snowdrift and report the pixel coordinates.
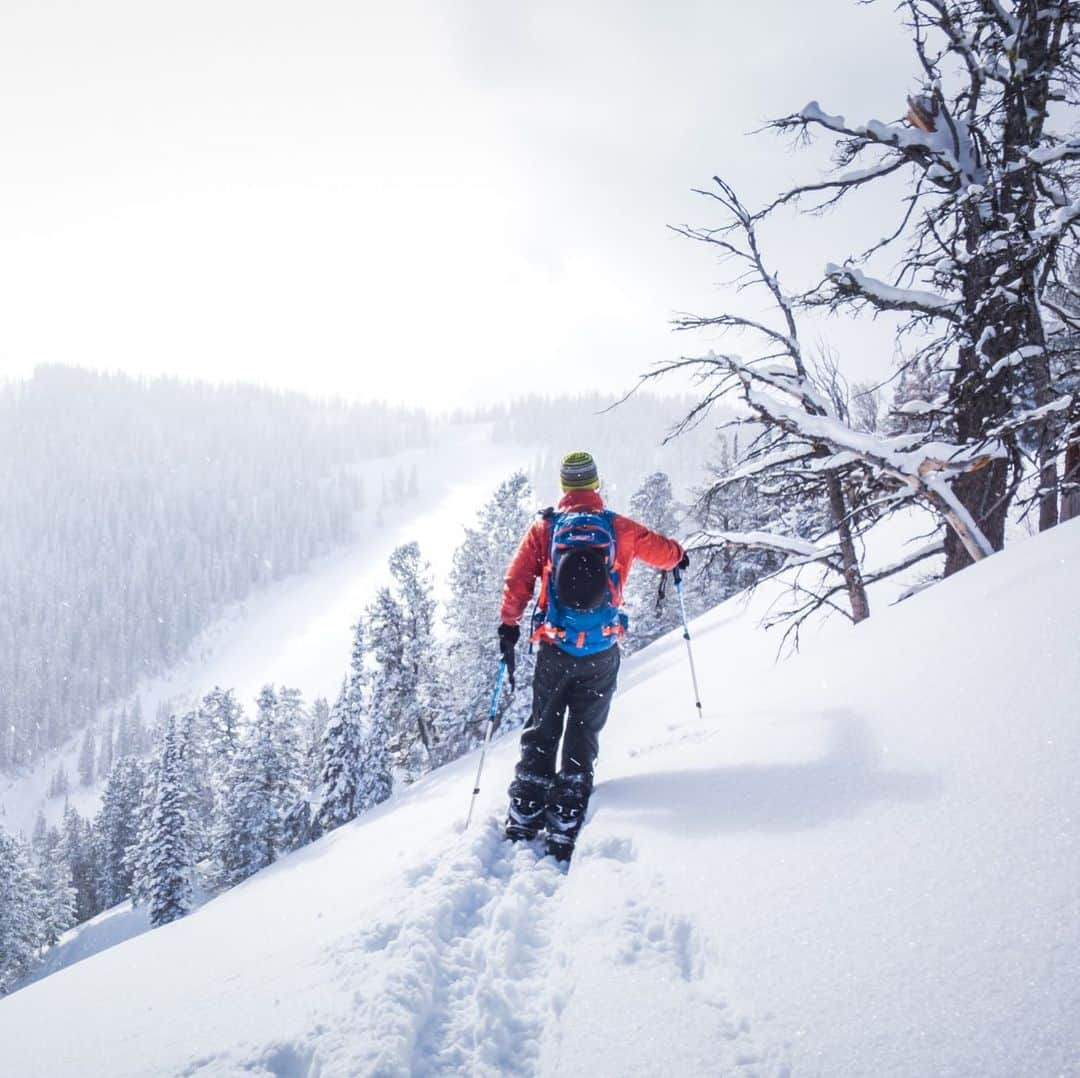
(861, 862)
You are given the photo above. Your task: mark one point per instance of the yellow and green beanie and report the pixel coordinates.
(578, 472)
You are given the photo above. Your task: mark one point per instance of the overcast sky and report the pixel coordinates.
(434, 201)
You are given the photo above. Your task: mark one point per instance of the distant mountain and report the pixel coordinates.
(132, 512)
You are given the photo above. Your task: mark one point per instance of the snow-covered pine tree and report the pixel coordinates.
(21, 912)
(376, 767)
(318, 718)
(59, 784)
(78, 846)
(170, 854)
(408, 692)
(58, 893)
(118, 827)
(194, 730)
(137, 857)
(40, 832)
(341, 783)
(260, 790)
(139, 740)
(105, 750)
(88, 758)
(725, 506)
(652, 611)
(476, 583)
(291, 721)
(222, 718)
(122, 745)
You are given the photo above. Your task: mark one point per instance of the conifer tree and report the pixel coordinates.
(40, 833)
(343, 749)
(652, 611)
(318, 718)
(476, 583)
(169, 858)
(59, 785)
(77, 844)
(137, 857)
(260, 792)
(118, 826)
(193, 729)
(58, 894)
(291, 721)
(105, 751)
(138, 735)
(87, 758)
(21, 911)
(376, 767)
(408, 689)
(123, 746)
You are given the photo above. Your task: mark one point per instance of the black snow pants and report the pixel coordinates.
(572, 696)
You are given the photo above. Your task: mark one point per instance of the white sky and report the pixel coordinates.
(432, 201)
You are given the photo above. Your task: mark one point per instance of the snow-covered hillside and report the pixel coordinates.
(296, 631)
(861, 862)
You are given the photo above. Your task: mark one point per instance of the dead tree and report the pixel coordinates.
(805, 446)
(987, 224)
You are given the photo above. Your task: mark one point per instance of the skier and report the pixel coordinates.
(581, 553)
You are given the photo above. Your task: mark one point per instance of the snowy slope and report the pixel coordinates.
(863, 862)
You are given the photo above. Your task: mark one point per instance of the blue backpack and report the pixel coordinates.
(581, 585)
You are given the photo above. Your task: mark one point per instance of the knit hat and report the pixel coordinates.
(578, 472)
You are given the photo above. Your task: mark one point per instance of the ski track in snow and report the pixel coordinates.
(480, 969)
(466, 965)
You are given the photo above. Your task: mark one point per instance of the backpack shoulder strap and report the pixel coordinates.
(548, 516)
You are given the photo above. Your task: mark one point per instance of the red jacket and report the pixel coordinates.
(632, 540)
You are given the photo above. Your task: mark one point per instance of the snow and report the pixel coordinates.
(889, 294)
(1047, 155)
(864, 861)
(768, 541)
(106, 930)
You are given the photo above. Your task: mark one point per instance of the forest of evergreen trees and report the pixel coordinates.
(198, 802)
(132, 512)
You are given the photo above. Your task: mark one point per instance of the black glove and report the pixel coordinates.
(685, 563)
(508, 637)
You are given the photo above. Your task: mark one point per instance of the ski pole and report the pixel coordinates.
(677, 574)
(487, 738)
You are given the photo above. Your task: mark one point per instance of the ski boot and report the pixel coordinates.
(566, 813)
(528, 800)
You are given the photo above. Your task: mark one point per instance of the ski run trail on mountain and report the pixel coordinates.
(298, 631)
(862, 861)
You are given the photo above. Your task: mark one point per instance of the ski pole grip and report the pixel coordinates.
(677, 575)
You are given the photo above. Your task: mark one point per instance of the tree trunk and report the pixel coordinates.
(984, 495)
(860, 605)
(1070, 496)
(1048, 499)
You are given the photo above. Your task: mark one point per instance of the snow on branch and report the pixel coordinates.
(759, 540)
(923, 470)
(1048, 155)
(886, 297)
(946, 144)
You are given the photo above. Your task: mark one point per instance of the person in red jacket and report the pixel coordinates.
(576, 667)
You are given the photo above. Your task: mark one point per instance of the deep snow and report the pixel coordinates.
(862, 862)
